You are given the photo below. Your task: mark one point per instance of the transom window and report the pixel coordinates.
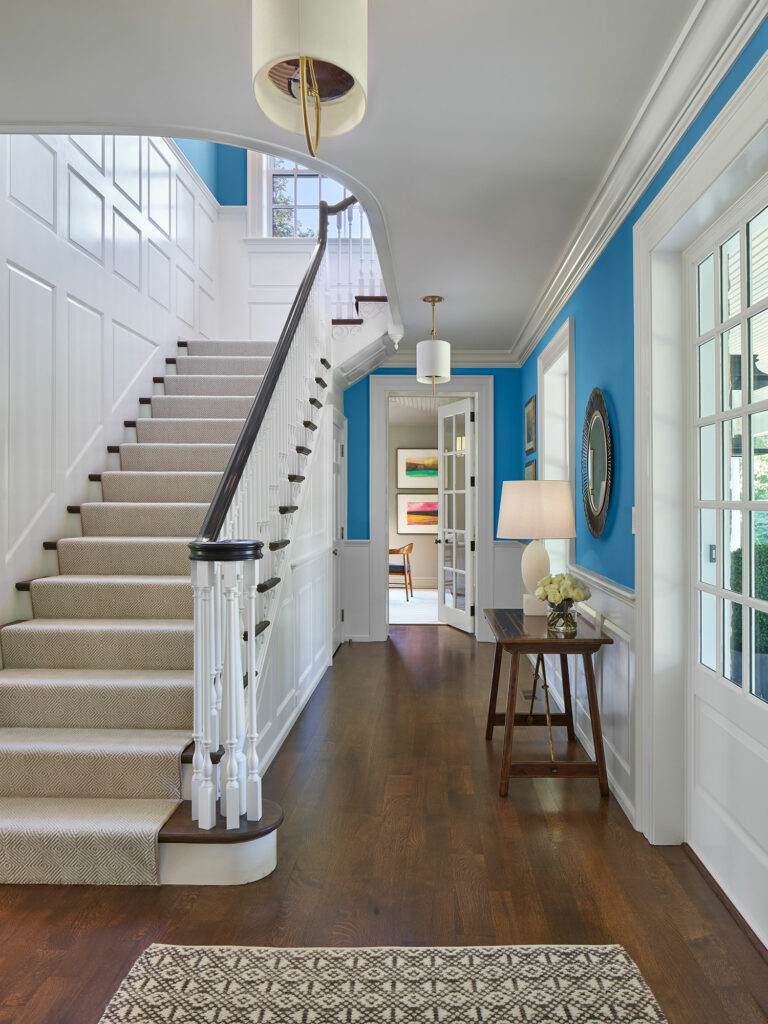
(730, 327)
(295, 193)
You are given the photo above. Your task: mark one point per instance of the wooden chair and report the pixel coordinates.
(404, 570)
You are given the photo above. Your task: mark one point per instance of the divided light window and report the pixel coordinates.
(731, 476)
(295, 193)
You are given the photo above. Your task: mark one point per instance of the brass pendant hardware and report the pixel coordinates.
(309, 89)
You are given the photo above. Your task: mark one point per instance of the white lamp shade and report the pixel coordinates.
(433, 361)
(536, 509)
(333, 31)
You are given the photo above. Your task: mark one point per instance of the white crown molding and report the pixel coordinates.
(191, 171)
(711, 40)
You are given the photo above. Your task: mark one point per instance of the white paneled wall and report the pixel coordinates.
(108, 253)
(615, 677)
(300, 642)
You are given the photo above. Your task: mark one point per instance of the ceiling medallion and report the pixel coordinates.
(310, 65)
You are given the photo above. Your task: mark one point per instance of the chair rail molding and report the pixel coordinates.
(727, 161)
(710, 41)
(481, 387)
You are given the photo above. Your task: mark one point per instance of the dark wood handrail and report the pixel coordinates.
(225, 492)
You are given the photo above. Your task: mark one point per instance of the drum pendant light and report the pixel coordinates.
(310, 65)
(433, 357)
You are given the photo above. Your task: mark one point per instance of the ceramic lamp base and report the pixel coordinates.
(532, 606)
(534, 565)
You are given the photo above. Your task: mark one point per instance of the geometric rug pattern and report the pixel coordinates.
(410, 985)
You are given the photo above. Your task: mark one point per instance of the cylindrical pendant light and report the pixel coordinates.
(433, 357)
(310, 64)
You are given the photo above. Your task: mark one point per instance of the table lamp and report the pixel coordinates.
(536, 510)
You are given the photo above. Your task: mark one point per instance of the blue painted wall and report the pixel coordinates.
(602, 308)
(222, 168)
(507, 439)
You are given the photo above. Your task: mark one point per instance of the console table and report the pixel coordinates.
(521, 634)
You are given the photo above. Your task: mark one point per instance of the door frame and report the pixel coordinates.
(727, 161)
(481, 388)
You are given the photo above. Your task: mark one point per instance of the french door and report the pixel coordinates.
(456, 515)
(727, 756)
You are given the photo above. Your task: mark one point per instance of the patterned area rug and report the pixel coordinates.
(410, 985)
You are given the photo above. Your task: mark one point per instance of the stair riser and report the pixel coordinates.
(155, 458)
(231, 348)
(111, 520)
(95, 557)
(158, 486)
(226, 365)
(69, 598)
(107, 647)
(201, 406)
(173, 431)
(93, 704)
(205, 384)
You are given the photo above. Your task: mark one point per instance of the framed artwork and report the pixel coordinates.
(417, 467)
(529, 425)
(417, 513)
(530, 470)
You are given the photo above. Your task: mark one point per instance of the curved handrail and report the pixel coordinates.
(225, 492)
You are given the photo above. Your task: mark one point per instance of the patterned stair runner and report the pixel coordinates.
(96, 689)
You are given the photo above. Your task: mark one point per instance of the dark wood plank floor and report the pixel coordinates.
(395, 834)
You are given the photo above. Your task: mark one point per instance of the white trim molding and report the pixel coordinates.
(723, 165)
(711, 40)
(381, 385)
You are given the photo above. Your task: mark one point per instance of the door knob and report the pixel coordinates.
(438, 541)
(335, 551)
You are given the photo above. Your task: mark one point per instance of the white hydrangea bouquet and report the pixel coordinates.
(560, 592)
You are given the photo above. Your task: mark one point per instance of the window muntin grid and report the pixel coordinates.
(294, 194)
(730, 327)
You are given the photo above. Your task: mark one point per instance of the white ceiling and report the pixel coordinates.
(416, 410)
(489, 125)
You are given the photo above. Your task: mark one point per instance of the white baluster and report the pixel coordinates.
(203, 788)
(253, 778)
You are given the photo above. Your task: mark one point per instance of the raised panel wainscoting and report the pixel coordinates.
(96, 234)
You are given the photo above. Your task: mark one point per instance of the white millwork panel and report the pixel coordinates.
(98, 250)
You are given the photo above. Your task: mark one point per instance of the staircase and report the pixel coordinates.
(96, 693)
(129, 702)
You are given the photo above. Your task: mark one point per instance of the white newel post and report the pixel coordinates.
(232, 679)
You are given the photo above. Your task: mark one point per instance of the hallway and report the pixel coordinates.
(395, 834)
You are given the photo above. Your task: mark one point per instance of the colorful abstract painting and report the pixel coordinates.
(417, 467)
(416, 513)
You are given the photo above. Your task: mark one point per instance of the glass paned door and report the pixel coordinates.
(456, 515)
(727, 741)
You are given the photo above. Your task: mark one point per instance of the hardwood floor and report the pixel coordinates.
(395, 834)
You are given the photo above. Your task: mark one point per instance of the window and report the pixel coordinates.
(730, 373)
(294, 195)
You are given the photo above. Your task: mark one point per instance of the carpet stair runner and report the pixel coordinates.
(96, 688)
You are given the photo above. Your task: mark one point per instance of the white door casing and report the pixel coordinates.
(727, 162)
(338, 524)
(456, 515)
(490, 562)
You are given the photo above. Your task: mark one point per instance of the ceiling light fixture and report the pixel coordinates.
(433, 357)
(310, 64)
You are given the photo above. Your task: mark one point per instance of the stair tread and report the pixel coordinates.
(114, 625)
(17, 738)
(181, 829)
(162, 676)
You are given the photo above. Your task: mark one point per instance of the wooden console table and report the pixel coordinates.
(520, 634)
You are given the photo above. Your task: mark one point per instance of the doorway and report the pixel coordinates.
(413, 500)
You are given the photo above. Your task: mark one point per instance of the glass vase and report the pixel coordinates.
(561, 618)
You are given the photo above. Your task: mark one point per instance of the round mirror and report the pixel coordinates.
(596, 463)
